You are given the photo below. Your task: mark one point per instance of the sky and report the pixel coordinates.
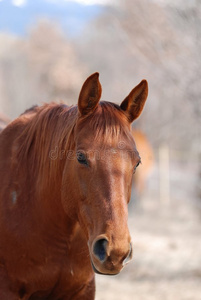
(18, 16)
(85, 2)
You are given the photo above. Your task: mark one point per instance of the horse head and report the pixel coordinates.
(105, 158)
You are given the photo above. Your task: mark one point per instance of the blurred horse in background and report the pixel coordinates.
(147, 163)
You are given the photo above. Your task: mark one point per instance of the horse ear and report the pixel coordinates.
(133, 104)
(90, 94)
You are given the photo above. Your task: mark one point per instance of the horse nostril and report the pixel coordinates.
(99, 249)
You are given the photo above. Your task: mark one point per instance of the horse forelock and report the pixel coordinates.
(107, 122)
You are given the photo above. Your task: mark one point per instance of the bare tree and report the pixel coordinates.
(41, 68)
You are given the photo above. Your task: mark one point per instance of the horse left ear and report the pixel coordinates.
(90, 94)
(133, 104)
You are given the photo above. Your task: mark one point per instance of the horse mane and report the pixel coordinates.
(47, 129)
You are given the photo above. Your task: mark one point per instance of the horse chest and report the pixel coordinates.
(55, 278)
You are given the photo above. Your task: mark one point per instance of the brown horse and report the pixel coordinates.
(66, 175)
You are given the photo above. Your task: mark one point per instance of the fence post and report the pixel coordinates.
(164, 175)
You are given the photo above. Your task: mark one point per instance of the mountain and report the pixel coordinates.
(72, 16)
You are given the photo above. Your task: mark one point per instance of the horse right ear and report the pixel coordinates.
(89, 95)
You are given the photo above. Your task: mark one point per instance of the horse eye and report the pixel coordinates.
(81, 158)
(136, 166)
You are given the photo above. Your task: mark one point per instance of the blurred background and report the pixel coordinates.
(48, 48)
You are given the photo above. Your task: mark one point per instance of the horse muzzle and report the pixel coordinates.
(106, 258)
